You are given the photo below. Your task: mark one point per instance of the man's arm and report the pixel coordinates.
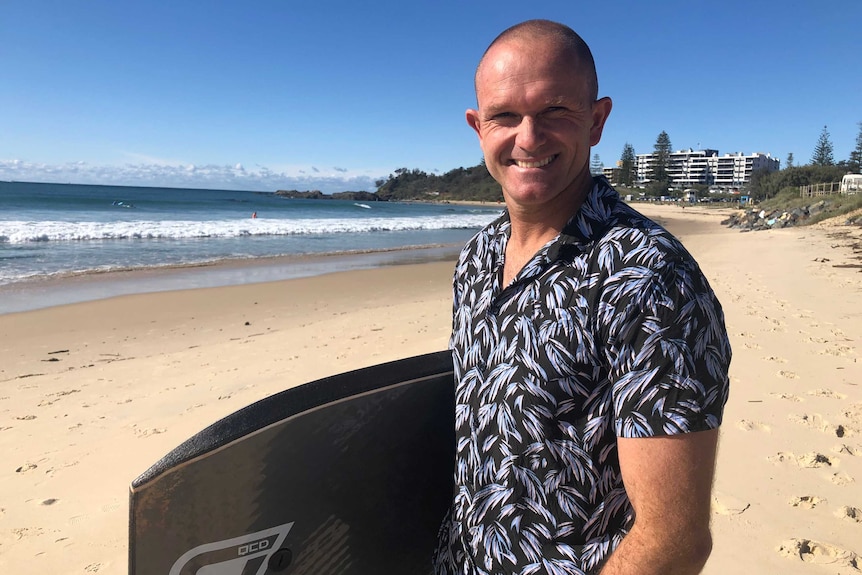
(669, 482)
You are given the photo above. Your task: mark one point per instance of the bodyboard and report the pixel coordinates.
(351, 474)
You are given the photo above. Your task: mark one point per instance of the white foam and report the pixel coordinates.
(19, 231)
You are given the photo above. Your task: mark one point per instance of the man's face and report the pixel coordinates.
(536, 122)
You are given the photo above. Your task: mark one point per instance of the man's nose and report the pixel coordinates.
(530, 134)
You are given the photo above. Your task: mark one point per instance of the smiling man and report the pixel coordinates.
(590, 352)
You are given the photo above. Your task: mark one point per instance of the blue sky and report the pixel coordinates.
(331, 95)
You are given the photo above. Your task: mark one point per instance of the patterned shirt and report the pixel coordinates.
(611, 330)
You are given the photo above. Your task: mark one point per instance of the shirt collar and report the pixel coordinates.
(591, 221)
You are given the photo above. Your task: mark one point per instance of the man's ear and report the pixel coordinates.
(473, 121)
(601, 111)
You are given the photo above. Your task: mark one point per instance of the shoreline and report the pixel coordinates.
(48, 291)
(40, 292)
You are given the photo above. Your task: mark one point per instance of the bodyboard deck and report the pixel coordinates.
(351, 474)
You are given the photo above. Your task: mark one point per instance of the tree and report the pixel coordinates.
(596, 166)
(659, 174)
(823, 151)
(627, 166)
(789, 162)
(855, 161)
(759, 185)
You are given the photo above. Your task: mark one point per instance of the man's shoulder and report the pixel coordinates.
(629, 223)
(609, 222)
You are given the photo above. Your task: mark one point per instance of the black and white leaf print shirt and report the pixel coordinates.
(611, 330)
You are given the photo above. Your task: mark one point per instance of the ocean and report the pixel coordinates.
(54, 232)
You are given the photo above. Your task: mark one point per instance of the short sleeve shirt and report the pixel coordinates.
(611, 330)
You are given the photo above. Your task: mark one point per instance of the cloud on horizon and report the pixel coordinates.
(222, 177)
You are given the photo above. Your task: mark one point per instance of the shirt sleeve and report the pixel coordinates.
(668, 350)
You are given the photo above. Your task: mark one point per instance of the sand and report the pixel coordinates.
(91, 394)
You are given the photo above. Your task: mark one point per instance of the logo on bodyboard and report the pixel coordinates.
(249, 554)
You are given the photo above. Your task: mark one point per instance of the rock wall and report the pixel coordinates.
(759, 219)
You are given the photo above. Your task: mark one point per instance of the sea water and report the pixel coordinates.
(61, 230)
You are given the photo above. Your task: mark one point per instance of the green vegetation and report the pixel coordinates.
(628, 165)
(460, 184)
(596, 165)
(823, 155)
(659, 177)
(785, 183)
(854, 164)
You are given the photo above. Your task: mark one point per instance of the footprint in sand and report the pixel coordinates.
(746, 425)
(787, 374)
(775, 359)
(813, 421)
(826, 393)
(807, 501)
(724, 504)
(818, 553)
(837, 350)
(850, 513)
(787, 396)
(842, 478)
(854, 413)
(807, 460)
(149, 432)
(842, 430)
(22, 532)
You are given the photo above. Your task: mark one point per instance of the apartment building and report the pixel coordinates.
(705, 167)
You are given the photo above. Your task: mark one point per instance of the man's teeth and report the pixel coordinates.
(539, 164)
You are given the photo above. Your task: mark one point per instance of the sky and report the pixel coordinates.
(334, 95)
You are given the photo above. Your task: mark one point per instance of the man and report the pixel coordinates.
(590, 352)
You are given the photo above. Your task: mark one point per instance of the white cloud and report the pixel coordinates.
(162, 174)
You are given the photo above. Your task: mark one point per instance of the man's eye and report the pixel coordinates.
(504, 117)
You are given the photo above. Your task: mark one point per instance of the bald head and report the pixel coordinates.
(560, 40)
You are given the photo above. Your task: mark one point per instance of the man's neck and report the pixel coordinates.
(533, 228)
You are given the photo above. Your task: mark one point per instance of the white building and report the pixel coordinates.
(689, 167)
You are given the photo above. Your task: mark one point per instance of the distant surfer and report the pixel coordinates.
(254, 215)
(591, 355)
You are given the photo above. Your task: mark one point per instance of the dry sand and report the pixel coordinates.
(92, 394)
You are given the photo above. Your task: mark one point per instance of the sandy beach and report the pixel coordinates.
(91, 394)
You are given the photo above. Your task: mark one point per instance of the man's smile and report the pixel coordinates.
(535, 164)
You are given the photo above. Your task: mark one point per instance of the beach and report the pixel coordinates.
(93, 393)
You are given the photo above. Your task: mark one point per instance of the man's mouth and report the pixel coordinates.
(536, 164)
